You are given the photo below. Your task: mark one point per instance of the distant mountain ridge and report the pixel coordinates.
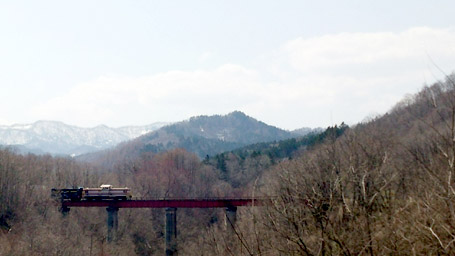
(203, 135)
(227, 132)
(233, 127)
(61, 139)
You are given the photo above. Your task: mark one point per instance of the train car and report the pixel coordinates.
(106, 192)
(67, 194)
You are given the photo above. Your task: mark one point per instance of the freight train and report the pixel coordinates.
(104, 192)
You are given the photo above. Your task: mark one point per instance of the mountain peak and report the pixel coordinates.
(222, 132)
(237, 113)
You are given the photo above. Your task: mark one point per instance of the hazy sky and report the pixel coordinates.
(288, 63)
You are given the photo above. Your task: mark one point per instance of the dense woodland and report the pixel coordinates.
(383, 187)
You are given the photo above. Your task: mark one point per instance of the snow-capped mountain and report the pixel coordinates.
(61, 139)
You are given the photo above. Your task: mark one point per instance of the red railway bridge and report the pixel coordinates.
(171, 205)
(168, 203)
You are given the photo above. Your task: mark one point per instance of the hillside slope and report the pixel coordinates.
(385, 187)
(220, 132)
(203, 135)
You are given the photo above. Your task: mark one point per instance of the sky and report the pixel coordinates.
(290, 64)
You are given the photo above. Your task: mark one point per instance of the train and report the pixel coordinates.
(104, 192)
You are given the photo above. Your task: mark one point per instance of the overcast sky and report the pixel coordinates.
(290, 64)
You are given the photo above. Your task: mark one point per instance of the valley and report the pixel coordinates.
(344, 190)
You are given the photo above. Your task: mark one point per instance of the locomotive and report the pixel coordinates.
(104, 192)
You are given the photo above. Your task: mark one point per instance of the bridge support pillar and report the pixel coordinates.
(64, 210)
(231, 218)
(112, 223)
(171, 231)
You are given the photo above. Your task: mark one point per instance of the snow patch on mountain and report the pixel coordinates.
(58, 138)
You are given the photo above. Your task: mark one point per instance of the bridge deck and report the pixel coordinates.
(168, 203)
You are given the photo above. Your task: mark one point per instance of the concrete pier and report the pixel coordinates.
(171, 231)
(171, 206)
(231, 218)
(112, 223)
(64, 210)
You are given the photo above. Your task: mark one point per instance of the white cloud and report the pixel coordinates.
(350, 49)
(354, 74)
(169, 96)
(314, 82)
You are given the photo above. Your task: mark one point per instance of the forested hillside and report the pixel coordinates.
(243, 165)
(208, 135)
(385, 187)
(202, 135)
(381, 187)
